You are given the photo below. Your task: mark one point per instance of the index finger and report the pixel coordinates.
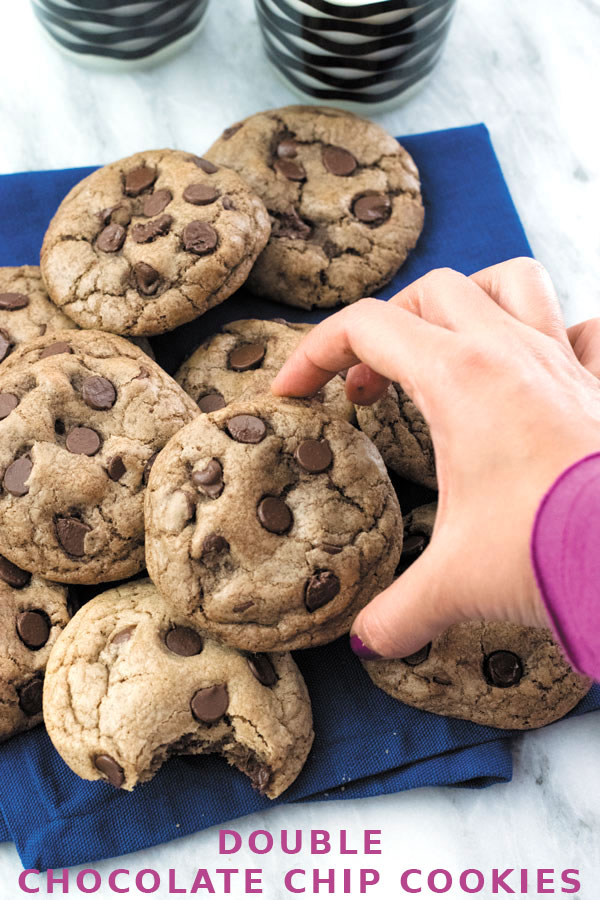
(394, 342)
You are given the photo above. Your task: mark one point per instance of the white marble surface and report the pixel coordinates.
(528, 69)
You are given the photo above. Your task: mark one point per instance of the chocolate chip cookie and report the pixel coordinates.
(273, 522)
(152, 241)
(243, 360)
(82, 415)
(492, 673)
(33, 612)
(131, 683)
(26, 311)
(401, 434)
(344, 199)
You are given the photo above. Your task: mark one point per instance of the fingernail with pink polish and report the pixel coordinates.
(361, 650)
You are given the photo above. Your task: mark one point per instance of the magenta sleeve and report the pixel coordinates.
(565, 551)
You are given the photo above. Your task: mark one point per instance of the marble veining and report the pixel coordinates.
(528, 70)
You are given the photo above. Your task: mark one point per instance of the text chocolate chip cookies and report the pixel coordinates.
(344, 199)
(492, 673)
(152, 241)
(272, 522)
(85, 412)
(32, 614)
(132, 682)
(242, 361)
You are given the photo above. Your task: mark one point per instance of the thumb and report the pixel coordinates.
(405, 617)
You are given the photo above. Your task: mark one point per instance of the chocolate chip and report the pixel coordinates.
(146, 278)
(85, 441)
(413, 546)
(211, 402)
(443, 681)
(148, 232)
(247, 429)
(331, 548)
(16, 475)
(5, 344)
(199, 237)
(139, 180)
(200, 194)
(242, 607)
(33, 628)
(260, 778)
(233, 129)
(111, 238)
(293, 171)
(314, 456)
(157, 202)
(338, 161)
(248, 356)
(415, 659)
(372, 208)
(116, 468)
(210, 479)
(119, 213)
(262, 668)
(320, 589)
(30, 696)
(123, 636)
(204, 164)
(503, 669)
(71, 534)
(13, 301)
(13, 575)
(184, 641)
(274, 515)
(287, 148)
(98, 393)
(111, 769)
(227, 202)
(290, 225)
(209, 704)
(214, 543)
(59, 426)
(55, 349)
(148, 468)
(8, 402)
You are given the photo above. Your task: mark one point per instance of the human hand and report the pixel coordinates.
(489, 363)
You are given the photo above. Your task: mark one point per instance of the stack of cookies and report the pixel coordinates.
(265, 525)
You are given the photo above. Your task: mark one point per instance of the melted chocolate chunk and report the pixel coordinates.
(320, 589)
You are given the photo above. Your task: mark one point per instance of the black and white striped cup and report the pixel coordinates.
(120, 33)
(356, 53)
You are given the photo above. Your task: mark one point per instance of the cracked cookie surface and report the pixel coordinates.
(492, 673)
(33, 612)
(152, 241)
(273, 522)
(401, 434)
(344, 199)
(242, 361)
(83, 414)
(131, 682)
(26, 311)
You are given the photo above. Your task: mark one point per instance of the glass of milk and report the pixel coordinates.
(360, 54)
(120, 34)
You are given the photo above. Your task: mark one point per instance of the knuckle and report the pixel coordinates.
(528, 267)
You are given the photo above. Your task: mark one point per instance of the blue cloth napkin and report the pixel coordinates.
(366, 743)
